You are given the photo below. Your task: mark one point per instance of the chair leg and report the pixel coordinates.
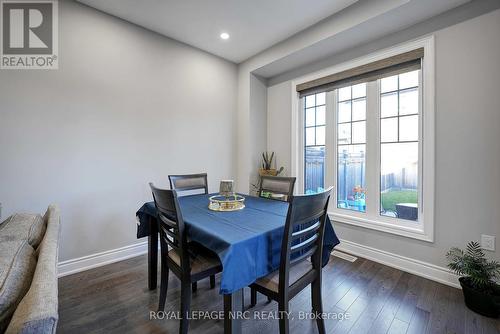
(212, 281)
(194, 286)
(253, 297)
(284, 325)
(185, 307)
(163, 286)
(317, 304)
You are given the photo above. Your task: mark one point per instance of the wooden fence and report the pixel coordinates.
(351, 173)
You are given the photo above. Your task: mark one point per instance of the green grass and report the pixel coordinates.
(392, 197)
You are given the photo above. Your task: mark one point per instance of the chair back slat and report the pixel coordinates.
(308, 219)
(167, 221)
(171, 225)
(302, 233)
(303, 236)
(304, 256)
(171, 236)
(304, 244)
(189, 183)
(279, 185)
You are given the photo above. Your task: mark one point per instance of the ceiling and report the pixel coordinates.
(253, 25)
(368, 31)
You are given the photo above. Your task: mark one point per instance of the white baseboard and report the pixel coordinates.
(83, 263)
(413, 266)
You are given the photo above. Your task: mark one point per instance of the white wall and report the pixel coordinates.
(127, 106)
(467, 138)
(258, 125)
(279, 120)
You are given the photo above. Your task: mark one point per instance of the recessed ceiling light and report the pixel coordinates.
(224, 35)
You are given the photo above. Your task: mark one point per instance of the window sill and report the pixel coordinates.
(416, 232)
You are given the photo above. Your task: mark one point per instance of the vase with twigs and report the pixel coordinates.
(267, 168)
(267, 165)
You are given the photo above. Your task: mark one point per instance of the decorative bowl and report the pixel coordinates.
(232, 202)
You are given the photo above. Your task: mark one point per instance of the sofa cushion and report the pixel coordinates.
(38, 311)
(23, 226)
(17, 265)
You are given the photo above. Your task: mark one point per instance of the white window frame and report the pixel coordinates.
(424, 228)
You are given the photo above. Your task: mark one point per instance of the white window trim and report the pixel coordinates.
(424, 230)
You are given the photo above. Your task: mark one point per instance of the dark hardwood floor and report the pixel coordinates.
(374, 298)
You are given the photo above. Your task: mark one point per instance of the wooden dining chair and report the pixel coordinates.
(194, 183)
(302, 240)
(278, 185)
(191, 184)
(190, 262)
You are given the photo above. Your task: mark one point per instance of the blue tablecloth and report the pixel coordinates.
(248, 242)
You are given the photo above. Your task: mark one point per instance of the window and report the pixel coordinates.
(351, 148)
(314, 152)
(399, 133)
(398, 153)
(398, 112)
(365, 136)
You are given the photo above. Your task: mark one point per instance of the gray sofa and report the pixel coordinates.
(28, 272)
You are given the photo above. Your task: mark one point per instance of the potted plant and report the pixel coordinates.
(359, 193)
(478, 279)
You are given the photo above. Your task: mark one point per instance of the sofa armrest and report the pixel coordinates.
(38, 310)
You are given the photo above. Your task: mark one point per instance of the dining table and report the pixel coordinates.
(247, 242)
